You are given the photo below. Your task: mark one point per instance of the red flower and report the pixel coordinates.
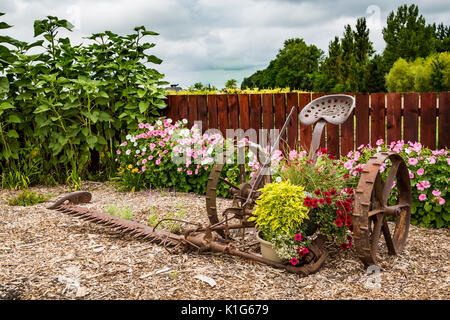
(307, 202)
(324, 150)
(331, 157)
(305, 250)
(350, 200)
(294, 261)
(338, 222)
(332, 192)
(321, 201)
(339, 203)
(298, 237)
(328, 200)
(349, 190)
(317, 192)
(314, 203)
(326, 194)
(343, 246)
(346, 176)
(339, 211)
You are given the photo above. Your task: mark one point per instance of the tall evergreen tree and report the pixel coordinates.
(407, 35)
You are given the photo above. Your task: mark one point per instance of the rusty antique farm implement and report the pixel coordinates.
(371, 211)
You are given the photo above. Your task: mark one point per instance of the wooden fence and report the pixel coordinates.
(423, 117)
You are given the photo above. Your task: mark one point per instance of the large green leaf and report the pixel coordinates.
(143, 106)
(4, 85)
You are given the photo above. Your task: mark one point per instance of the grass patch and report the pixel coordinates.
(28, 198)
(173, 226)
(123, 212)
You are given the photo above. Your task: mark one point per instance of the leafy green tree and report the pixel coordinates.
(407, 35)
(293, 67)
(345, 68)
(231, 84)
(442, 36)
(376, 74)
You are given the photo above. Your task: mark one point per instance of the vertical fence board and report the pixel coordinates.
(305, 130)
(362, 112)
(256, 113)
(280, 117)
(222, 112)
(347, 135)
(292, 134)
(377, 117)
(267, 120)
(192, 109)
(411, 117)
(394, 117)
(171, 105)
(182, 102)
(212, 112)
(267, 109)
(444, 120)
(428, 119)
(202, 112)
(244, 111)
(233, 111)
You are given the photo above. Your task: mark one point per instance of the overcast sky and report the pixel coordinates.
(212, 41)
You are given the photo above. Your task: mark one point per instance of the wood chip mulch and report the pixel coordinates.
(45, 254)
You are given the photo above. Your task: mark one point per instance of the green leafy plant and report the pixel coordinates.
(27, 198)
(279, 216)
(70, 104)
(122, 212)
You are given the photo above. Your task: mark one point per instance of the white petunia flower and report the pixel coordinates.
(128, 137)
(278, 179)
(128, 151)
(185, 121)
(138, 151)
(159, 123)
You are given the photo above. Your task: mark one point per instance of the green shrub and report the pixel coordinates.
(423, 75)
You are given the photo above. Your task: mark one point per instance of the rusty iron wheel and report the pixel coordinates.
(240, 193)
(372, 209)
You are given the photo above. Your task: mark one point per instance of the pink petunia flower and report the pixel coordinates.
(298, 237)
(426, 184)
(419, 186)
(441, 201)
(379, 142)
(422, 197)
(411, 175)
(420, 172)
(158, 161)
(436, 193)
(413, 161)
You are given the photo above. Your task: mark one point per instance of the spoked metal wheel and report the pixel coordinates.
(372, 209)
(240, 194)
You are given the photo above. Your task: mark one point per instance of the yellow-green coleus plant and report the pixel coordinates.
(280, 209)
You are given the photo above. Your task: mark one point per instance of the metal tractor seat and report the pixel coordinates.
(334, 108)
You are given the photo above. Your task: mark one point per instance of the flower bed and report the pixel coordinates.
(429, 171)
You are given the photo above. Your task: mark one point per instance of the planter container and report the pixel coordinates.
(267, 250)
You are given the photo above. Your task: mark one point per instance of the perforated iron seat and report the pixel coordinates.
(335, 109)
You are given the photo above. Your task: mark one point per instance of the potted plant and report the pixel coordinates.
(279, 215)
(308, 199)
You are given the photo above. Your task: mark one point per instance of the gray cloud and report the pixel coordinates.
(212, 41)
